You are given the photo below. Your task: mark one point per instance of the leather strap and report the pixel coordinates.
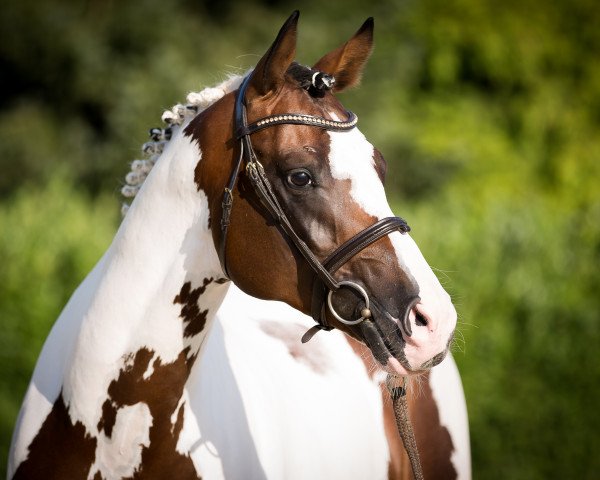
(346, 251)
(362, 240)
(260, 182)
(324, 280)
(400, 407)
(227, 205)
(264, 191)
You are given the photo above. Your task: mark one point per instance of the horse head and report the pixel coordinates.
(304, 217)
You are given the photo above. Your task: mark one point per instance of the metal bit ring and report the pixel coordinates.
(365, 312)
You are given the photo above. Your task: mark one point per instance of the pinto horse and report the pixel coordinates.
(168, 361)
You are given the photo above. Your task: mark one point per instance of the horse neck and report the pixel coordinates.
(151, 299)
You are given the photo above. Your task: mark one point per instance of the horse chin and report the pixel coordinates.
(395, 364)
(394, 367)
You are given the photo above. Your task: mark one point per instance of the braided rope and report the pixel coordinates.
(399, 403)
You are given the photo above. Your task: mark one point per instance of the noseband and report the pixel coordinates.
(324, 284)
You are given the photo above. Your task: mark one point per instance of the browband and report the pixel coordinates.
(297, 119)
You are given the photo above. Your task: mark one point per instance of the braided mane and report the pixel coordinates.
(180, 114)
(313, 81)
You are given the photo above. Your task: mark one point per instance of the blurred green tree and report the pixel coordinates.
(51, 238)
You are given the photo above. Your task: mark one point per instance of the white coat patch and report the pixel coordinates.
(351, 158)
(449, 397)
(119, 455)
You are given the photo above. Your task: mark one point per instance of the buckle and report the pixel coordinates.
(226, 204)
(227, 198)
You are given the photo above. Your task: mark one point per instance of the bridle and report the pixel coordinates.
(324, 284)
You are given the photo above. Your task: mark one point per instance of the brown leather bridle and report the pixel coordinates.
(324, 285)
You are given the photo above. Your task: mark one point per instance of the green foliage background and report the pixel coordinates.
(487, 112)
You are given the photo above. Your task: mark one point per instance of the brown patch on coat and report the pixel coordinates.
(310, 354)
(61, 449)
(433, 440)
(108, 419)
(162, 392)
(194, 319)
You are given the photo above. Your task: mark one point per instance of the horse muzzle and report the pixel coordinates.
(413, 343)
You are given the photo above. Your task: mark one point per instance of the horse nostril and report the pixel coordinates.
(420, 319)
(409, 316)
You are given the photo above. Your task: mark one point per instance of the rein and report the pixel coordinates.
(324, 285)
(400, 406)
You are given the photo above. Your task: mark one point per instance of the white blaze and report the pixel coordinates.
(351, 158)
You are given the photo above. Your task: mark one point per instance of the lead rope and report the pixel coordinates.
(398, 395)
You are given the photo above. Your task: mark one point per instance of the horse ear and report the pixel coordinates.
(346, 63)
(268, 76)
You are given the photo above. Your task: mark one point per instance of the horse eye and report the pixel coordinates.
(299, 178)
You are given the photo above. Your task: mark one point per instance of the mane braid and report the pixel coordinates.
(180, 114)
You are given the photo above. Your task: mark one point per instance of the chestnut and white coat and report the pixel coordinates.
(159, 367)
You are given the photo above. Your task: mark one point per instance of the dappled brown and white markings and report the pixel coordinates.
(144, 380)
(147, 380)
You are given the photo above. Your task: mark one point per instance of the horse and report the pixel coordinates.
(180, 353)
